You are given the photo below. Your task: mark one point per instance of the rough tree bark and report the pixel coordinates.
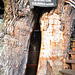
(18, 25)
(55, 31)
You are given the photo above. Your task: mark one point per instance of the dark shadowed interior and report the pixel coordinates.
(34, 48)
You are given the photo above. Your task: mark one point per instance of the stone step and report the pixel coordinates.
(73, 53)
(70, 61)
(67, 72)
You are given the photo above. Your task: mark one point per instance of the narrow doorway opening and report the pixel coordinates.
(35, 43)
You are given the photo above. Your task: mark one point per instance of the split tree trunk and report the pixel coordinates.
(19, 22)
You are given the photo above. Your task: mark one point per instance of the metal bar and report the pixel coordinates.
(72, 3)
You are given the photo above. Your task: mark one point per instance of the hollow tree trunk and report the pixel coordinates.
(55, 31)
(19, 21)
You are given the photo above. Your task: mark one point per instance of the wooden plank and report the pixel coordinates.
(73, 40)
(73, 66)
(70, 61)
(73, 49)
(67, 71)
(72, 53)
(73, 46)
(73, 43)
(73, 57)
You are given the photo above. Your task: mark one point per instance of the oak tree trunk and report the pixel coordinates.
(19, 22)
